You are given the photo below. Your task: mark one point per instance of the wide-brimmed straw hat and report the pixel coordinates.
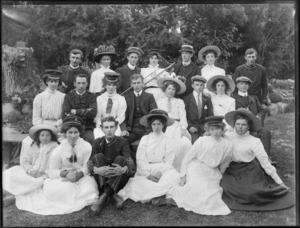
(211, 81)
(206, 48)
(182, 86)
(230, 118)
(156, 112)
(243, 79)
(33, 130)
(103, 50)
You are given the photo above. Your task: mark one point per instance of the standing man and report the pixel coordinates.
(198, 107)
(70, 71)
(187, 68)
(110, 164)
(139, 103)
(82, 103)
(133, 54)
(257, 74)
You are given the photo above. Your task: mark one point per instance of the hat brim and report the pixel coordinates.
(210, 82)
(182, 86)
(230, 116)
(97, 57)
(144, 119)
(33, 130)
(206, 48)
(187, 50)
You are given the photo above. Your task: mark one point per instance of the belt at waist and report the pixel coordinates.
(51, 119)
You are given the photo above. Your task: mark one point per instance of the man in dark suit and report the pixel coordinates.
(198, 106)
(139, 103)
(187, 68)
(133, 54)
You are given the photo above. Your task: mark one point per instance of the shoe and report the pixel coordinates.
(99, 204)
(9, 200)
(118, 201)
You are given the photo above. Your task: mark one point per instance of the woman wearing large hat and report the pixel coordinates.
(245, 185)
(155, 173)
(175, 108)
(208, 55)
(34, 162)
(150, 74)
(103, 55)
(69, 187)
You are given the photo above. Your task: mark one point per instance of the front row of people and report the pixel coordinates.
(218, 173)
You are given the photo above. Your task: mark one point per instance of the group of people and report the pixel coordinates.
(201, 144)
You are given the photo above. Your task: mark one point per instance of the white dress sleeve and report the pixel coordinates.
(37, 110)
(168, 158)
(86, 157)
(143, 166)
(227, 157)
(55, 165)
(190, 155)
(232, 106)
(261, 155)
(122, 109)
(182, 114)
(26, 159)
(98, 115)
(93, 83)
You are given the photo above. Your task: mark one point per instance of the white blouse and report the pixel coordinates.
(214, 153)
(118, 108)
(96, 84)
(222, 104)
(178, 111)
(145, 72)
(154, 153)
(60, 158)
(247, 147)
(208, 71)
(47, 108)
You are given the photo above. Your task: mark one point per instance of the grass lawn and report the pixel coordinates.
(137, 214)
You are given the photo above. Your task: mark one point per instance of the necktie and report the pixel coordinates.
(138, 101)
(169, 105)
(199, 106)
(109, 106)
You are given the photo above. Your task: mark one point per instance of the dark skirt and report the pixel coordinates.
(246, 186)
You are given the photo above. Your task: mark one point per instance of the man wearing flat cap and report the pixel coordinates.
(198, 107)
(70, 71)
(133, 54)
(187, 68)
(82, 103)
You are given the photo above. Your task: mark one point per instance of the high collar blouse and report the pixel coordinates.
(209, 71)
(153, 71)
(96, 84)
(222, 104)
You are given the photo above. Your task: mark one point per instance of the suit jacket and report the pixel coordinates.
(126, 73)
(147, 104)
(192, 111)
(188, 72)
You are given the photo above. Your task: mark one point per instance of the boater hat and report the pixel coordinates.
(214, 120)
(211, 81)
(103, 50)
(134, 50)
(198, 78)
(230, 117)
(111, 76)
(243, 79)
(156, 112)
(206, 48)
(160, 83)
(33, 130)
(187, 48)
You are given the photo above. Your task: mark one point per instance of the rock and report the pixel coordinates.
(282, 107)
(275, 96)
(273, 109)
(26, 109)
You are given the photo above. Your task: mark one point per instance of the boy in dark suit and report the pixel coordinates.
(198, 107)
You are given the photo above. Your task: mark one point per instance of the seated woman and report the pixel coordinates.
(155, 174)
(245, 185)
(69, 187)
(110, 103)
(175, 108)
(34, 163)
(222, 103)
(103, 57)
(209, 55)
(150, 74)
(201, 172)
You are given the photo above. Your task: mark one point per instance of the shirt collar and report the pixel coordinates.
(186, 64)
(74, 68)
(112, 141)
(50, 91)
(154, 67)
(130, 66)
(103, 67)
(80, 94)
(138, 93)
(196, 94)
(243, 94)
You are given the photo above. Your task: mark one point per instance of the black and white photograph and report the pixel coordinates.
(150, 114)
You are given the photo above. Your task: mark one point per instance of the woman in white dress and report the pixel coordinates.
(155, 174)
(34, 163)
(151, 72)
(199, 188)
(110, 103)
(175, 108)
(222, 103)
(103, 56)
(209, 55)
(69, 187)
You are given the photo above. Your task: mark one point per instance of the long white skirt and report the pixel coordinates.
(99, 133)
(157, 93)
(18, 182)
(202, 193)
(139, 188)
(60, 197)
